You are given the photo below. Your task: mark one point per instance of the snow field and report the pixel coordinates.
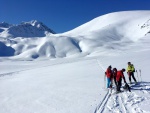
(70, 85)
(60, 88)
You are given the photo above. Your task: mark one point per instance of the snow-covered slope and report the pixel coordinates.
(108, 34)
(73, 85)
(127, 24)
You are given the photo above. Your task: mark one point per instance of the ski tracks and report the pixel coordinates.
(120, 103)
(127, 102)
(43, 66)
(118, 106)
(9, 74)
(102, 105)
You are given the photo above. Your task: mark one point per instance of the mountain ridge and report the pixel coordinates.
(32, 28)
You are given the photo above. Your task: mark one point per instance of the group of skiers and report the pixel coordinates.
(117, 76)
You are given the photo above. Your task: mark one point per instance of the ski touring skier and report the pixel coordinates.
(130, 72)
(119, 77)
(108, 74)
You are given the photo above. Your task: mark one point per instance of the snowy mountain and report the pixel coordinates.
(108, 34)
(127, 24)
(64, 73)
(25, 29)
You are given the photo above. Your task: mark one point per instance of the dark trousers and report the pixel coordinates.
(132, 74)
(119, 83)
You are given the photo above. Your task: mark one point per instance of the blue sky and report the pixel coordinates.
(64, 15)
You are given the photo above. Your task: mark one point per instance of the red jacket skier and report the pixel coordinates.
(109, 76)
(119, 78)
(109, 72)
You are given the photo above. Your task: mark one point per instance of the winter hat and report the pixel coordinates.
(123, 70)
(109, 66)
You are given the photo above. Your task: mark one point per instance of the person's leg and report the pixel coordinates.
(115, 81)
(129, 74)
(118, 85)
(108, 82)
(112, 83)
(133, 77)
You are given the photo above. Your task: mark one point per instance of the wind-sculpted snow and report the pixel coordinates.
(109, 34)
(49, 46)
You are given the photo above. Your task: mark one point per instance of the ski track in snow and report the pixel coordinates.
(126, 102)
(102, 105)
(56, 63)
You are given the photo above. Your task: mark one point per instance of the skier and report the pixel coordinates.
(108, 74)
(119, 77)
(130, 72)
(114, 75)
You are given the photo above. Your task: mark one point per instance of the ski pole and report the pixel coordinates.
(105, 80)
(140, 74)
(137, 75)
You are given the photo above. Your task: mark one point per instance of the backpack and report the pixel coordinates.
(127, 87)
(133, 68)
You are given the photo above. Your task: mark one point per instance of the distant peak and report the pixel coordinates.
(39, 25)
(5, 25)
(32, 22)
(32, 28)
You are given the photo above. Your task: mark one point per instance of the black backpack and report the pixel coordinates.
(127, 87)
